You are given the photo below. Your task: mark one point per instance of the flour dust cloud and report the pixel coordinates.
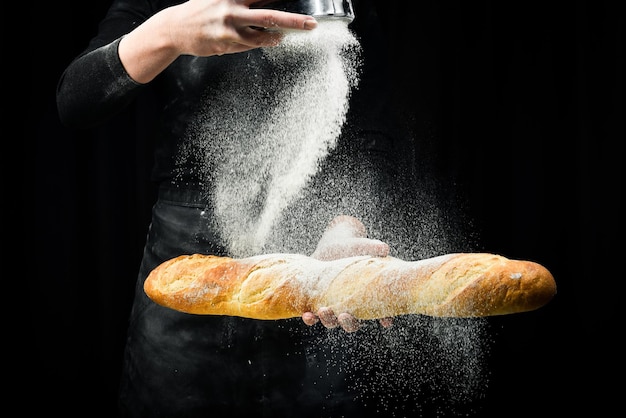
(272, 131)
(264, 147)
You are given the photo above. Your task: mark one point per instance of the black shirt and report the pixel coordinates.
(179, 365)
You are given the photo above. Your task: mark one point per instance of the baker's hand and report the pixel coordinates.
(348, 322)
(345, 236)
(203, 28)
(217, 27)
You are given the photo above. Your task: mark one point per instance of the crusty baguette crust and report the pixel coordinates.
(280, 286)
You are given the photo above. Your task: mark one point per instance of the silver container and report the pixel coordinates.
(320, 9)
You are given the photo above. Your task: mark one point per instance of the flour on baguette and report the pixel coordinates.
(281, 286)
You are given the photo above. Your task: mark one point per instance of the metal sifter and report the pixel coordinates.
(333, 9)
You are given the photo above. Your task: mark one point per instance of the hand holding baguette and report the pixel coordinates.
(280, 286)
(345, 236)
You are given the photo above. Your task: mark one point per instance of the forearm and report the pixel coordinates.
(148, 50)
(101, 82)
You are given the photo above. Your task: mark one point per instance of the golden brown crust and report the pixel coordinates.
(280, 286)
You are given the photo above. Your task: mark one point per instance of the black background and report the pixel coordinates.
(527, 99)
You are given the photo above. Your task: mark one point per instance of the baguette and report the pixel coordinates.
(281, 286)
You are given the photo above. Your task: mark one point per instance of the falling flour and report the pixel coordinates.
(259, 142)
(275, 130)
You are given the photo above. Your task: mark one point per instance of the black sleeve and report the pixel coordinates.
(95, 85)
